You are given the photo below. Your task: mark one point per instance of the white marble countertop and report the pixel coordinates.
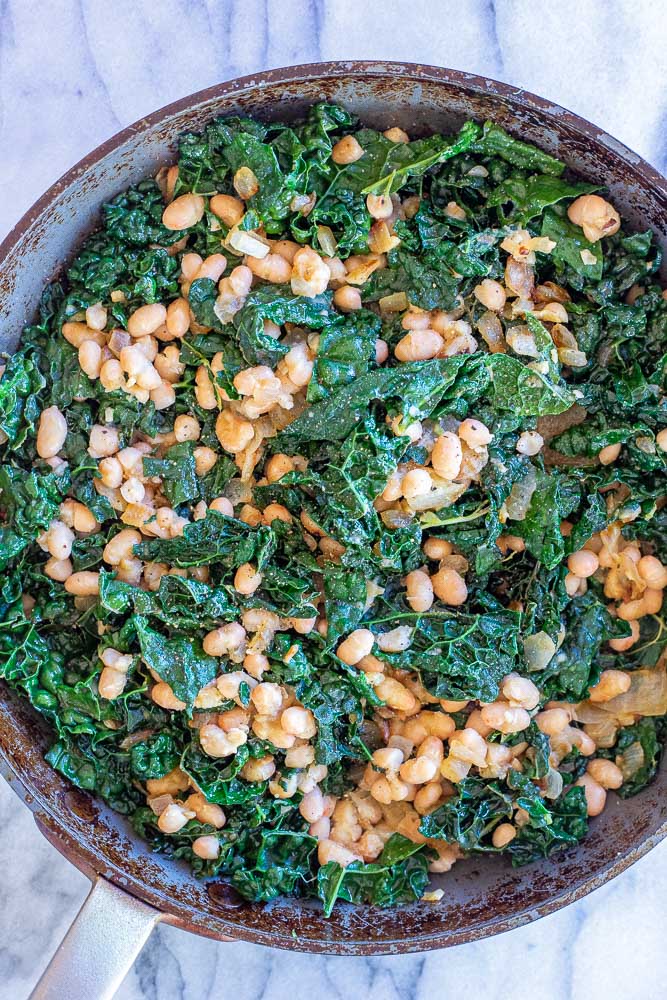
(72, 72)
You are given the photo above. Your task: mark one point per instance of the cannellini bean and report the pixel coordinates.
(529, 443)
(215, 742)
(267, 698)
(174, 818)
(162, 695)
(346, 150)
(379, 206)
(382, 351)
(83, 584)
(467, 746)
(76, 515)
(233, 433)
(111, 375)
(102, 441)
(491, 294)
(205, 460)
(310, 274)
(419, 590)
(146, 320)
(59, 540)
(396, 134)
(396, 640)
(76, 333)
(121, 546)
(583, 563)
(388, 758)
(186, 428)
(652, 572)
(552, 721)
(474, 433)
(111, 472)
(609, 454)
(396, 695)
(428, 797)
(437, 548)
(273, 268)
(183, 212)
(224, 640)
(357, 645)
(419, 345)
(611, 684)
(520, 691)
(418, 770)
(503, 834)
(650, 603)
(223, 505)
(311, 806)
(178, 317)
(299, 722)
(247, 579)
(449, 586)
(258, 768)
(621, 645)
(51, 432)
(605, 772)
(90, 358)
(206, 847)
(276, 512)
(447, 455)
(111, 683)
(596, 796)
(96, 316)
(347, 299)
(228, 209)
(58, 569)
(596, 217)
(278, 466)
(300, 756)
(504, 718)
(416, 483)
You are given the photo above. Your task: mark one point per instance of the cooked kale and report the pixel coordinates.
(574, 355)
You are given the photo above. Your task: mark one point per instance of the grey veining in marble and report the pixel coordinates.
(72, 72)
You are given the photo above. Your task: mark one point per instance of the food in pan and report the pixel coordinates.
(332, 497)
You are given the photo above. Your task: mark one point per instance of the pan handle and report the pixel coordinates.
(100, 947)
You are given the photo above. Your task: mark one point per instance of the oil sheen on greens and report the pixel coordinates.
(51, 653)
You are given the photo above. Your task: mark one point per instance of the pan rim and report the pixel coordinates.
(47, 815)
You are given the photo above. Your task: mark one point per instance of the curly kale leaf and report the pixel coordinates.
(575, 668)
(495, 141)
(345, 352)
(386, 166)
(459, 655)
(529, 196)
(641, 744)
(400, 875)
(177, 472)
(216, 538)
(470, 816)
(180, 602)
(180, 661)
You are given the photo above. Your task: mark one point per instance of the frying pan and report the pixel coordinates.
(132, 888)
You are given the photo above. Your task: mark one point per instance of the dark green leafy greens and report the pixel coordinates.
(455, 200)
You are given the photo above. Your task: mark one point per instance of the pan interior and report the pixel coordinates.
(481, 898)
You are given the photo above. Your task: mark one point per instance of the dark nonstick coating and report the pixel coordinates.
(481, 897)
